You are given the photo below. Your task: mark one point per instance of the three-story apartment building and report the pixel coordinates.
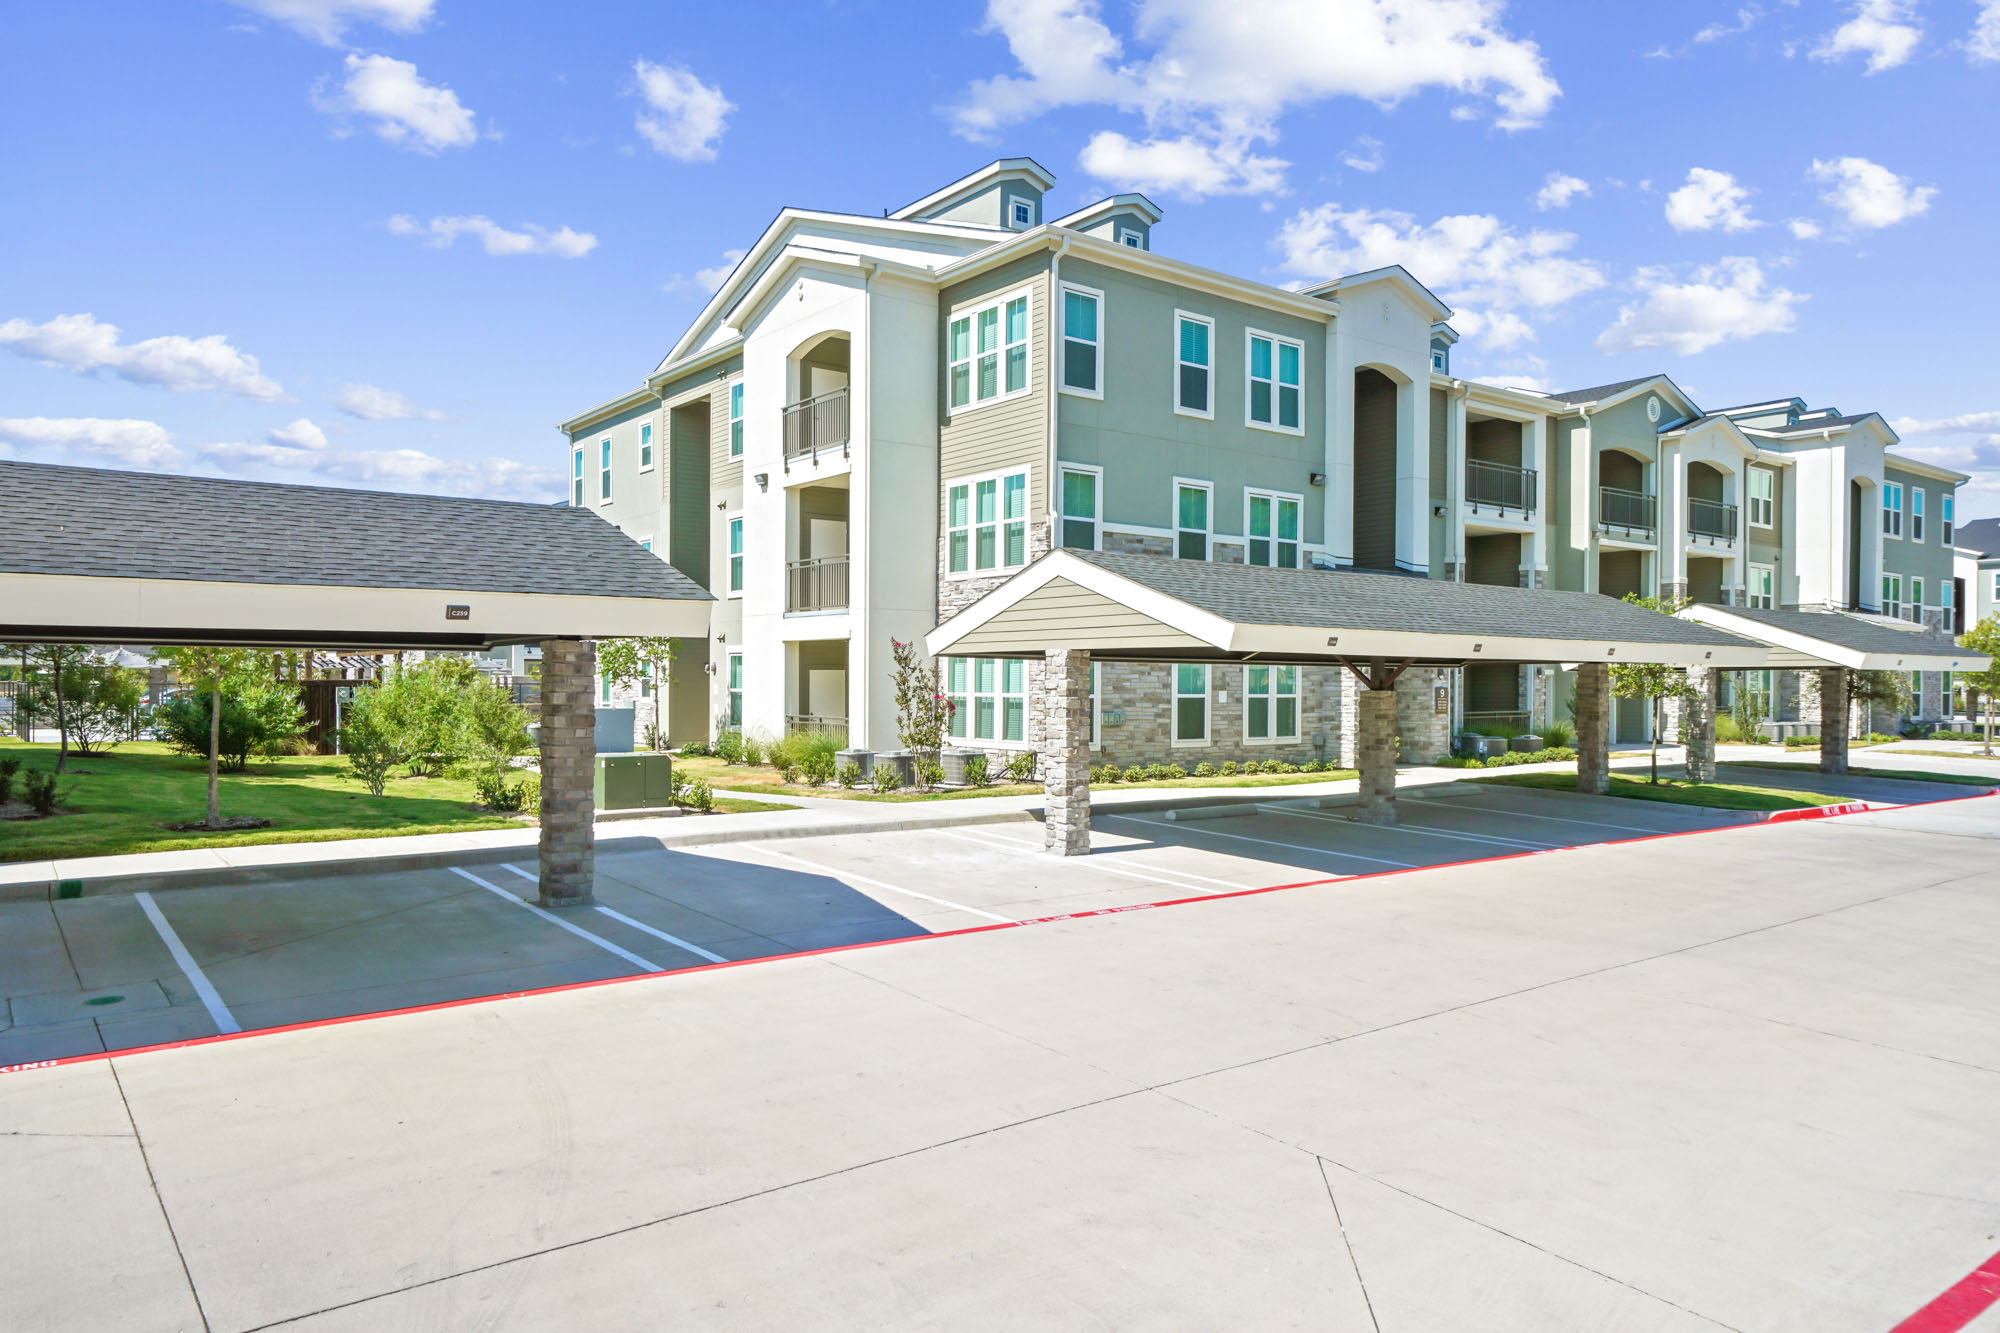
(876, 420)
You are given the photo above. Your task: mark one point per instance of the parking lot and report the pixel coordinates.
(120, 971)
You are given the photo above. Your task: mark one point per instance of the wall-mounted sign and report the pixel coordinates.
(1441, 699)
(458, 613)
(1114, 717)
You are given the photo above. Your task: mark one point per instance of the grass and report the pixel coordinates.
(737, 777)
(1712, 795)
(1949, 754)
(1894, 774)
(121, 802)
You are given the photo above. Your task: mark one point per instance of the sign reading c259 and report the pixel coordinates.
(458, 613)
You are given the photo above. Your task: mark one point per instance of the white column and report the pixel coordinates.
(1535, 454)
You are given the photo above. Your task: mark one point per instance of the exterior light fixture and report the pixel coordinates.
(1333, 641)
(763, 481)
(1315, 478)
(1477, 647)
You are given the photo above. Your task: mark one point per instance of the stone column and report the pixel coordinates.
(1347, 741)
(1833, 719)
(1593, 727)
(1699, 725)
(1066, 752)
(569, 763)
(1378, 757)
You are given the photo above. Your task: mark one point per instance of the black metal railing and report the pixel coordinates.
(1629, 511)
(1711, 518)
(817, 585)
(820, 422)
(1499, 486)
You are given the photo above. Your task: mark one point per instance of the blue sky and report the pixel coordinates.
(392, 242)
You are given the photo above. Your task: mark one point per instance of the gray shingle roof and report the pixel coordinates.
(1255, 595)
(1843, 631)
(1981, 535)
(1601, 391)
(93, 522)
(1816, 424)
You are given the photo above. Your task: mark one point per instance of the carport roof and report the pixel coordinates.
(1157, 607)
(1801, 638)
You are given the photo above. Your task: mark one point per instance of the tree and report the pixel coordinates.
(923, 712)
(423, 708)
(103, 699)
(1650, 680)
(367, 743)
(214, 670)
(62, 662)
(496, 728)
(1983, 638)
(638, 662)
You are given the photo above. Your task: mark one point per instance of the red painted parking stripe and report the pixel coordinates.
(89, 1056)
(1964, 1301)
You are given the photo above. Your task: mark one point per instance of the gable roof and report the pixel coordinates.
(1981, 535)
(1134, 203)
(1006, 168)
(1840, 638)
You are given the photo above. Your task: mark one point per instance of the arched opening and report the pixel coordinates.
(816, 415)
(1711, 523)
(1375, 432)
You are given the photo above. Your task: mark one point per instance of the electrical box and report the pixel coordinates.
(634, 781)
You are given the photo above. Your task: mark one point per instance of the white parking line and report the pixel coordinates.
(643, 964)
(1420, 830)
(1156, 877)
(218, 1012)
(863, 879)
(1267, 842)
(615, 915)
(1512, 813)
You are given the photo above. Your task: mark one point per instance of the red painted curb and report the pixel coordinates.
(1817, 812)
(1960, 1304)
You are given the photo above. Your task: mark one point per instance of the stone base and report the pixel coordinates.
(1593, 728)
(567, 845)
(1378, 757)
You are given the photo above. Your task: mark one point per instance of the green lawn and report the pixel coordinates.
(1958, 779)
(1713, 795)
(737, 777)
(122, 801)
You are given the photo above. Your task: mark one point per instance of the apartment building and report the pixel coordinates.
(875, 421)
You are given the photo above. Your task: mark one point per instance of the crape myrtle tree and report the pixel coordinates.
(634, 662)
(1650, 680)
(1983, 685)
(923, 712)
(215, 670)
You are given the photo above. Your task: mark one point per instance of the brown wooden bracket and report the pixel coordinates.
(1377, 675)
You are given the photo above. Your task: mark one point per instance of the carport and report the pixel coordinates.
(1835, 643)
(93, 556)
(1071, 606)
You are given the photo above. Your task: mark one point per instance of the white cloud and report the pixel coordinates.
(1364, 155)
(397, 469)
(440, 233)
(1222, 75)
(326, 20)
(685, 117)
(136, 444)
(1963, 424)
(1473, 261)
(1710, 199)
(301, 434)
(1882, 30)
(1191, 166)
(406, 111)
(1746, 19)
(710, 279)
(373, 404)
(81, 343)
(1984, 43)
(1558, 190)
(1805, 229)
(1868, 194)
(1722, 302)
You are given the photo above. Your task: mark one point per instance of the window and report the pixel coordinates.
(1917, 599)
(1191, 527)
(1916, 513)
(1763, 489)
(736, 691)
(576, 478)
(645, 446)
(988, 352)
(1996, 585)
(1892, 595)
(604, 472)
(735, 555)
(1762, 587)
(1438, 361)
(645, 680)
(1757, 685)
(1083, 343)
(1270, 703)
(1080, 512)
(1946, 503)
(986, 523)
(1190, 704)
(736, 419)
(646, 543)
(989, 698)
(1274, 393)
(1192, 337)
(1271, 529)
(1023, 213)
(1892, 509)
(1946, 591)
(1096, 710)
(604, 689)
(1127, 236)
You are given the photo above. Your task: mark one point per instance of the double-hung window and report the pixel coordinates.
(1916, 513)
(1271, 529)
(989, 699)
(645, 446)
(988, 352)
(1190, 704)
(1946, 505)
(1892, 509)
(1081, 497)
(1763, 491)
(736, 419)
(1276, 393)
(1917, 600)
(576, 477)
(1762, 589)
(1191, 519)
(1083, 341)
(735, 691)
(986, 523)
(1892, 595)
(1270, 703)
(1194, 365)
(604, 471)
(736, 555)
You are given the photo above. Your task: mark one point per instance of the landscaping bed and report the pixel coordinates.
(725, 776)
(1710, 795)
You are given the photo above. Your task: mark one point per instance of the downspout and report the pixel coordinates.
(858, 672)
(1049, 477)
(1454, 479)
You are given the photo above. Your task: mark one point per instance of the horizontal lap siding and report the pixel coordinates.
(1374, 470)
(723, 470)
(1493, 559)
(1619, 573)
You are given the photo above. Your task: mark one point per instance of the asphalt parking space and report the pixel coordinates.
(1859, 787)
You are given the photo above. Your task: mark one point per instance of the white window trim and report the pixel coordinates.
(1000, 696)
(739, 690)
(1208, 539)
(1896, 509)
(728, 520)
(1275, 339)
(1097, 494)
(1297, 696)
(1917, 598)
(1130, 237)
(577, 478)
(1438, 360)
(1751, 583)
(1175, 387)
(737, 398)
(1947, 504)
(646, 542)
(1897, 600)
(1751, 486)
(1063, 340)
(1013, 207)
(971, 313)
(1174, 697)
(638, 441)
(1917, 514)
(1000, 521)
(1274, 497)
(604, 471)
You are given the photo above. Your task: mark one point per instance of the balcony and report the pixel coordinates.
(1634, 514)
(797, 722)
(820, 422)
(1499, 486)
(1712, 520)
(816, 585)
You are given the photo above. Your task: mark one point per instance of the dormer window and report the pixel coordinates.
(1127, 236)
(1023, 213)
(1438, 362)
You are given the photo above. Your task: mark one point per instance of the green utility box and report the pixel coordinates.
(634, 781)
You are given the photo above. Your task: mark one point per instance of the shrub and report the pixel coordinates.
(1275, 766)
(367, 746)
(849, 775)
(9, 766)
(793, 748)
(885, 778)
(261, 721)
(975, 770)
(930, 775)
(41, 791)
(425, 711)
(1560, 735)
(1206, 770)
(1230, 768)
(1135, 774)
(496, 728)
(1021, 766)
(1313, 766)
(755, 750)
(1801, 742)
(1156, 772)
(498, 794)
(695, 750)
(788, 773)
(1105, 773)
(728, 747)
(1461, 761)
(1175, 772)
(1727, 730)
(698, 795)
(817, 768)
